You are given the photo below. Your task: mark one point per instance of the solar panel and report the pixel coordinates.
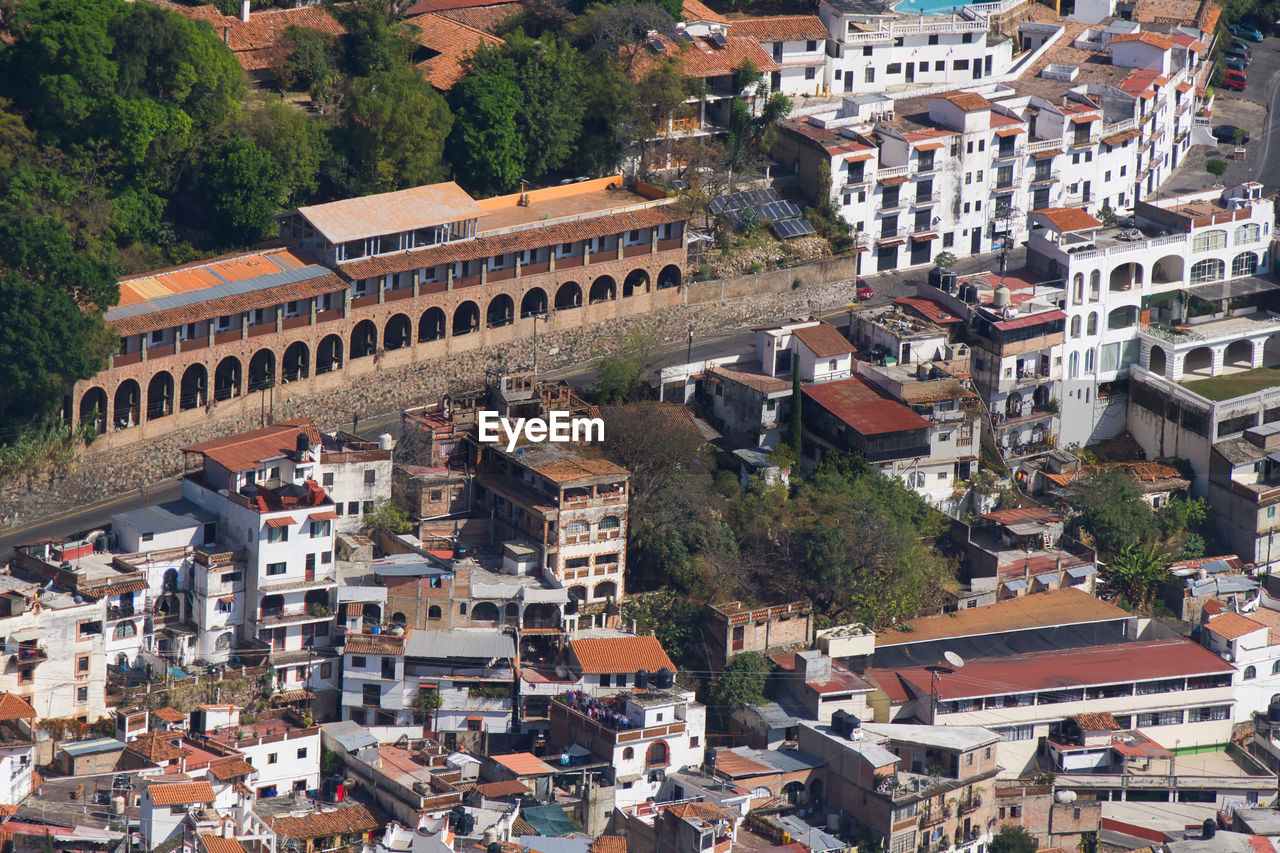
(775, 210)
(717, 205)
(787, 228)
(719, 39)
(658, 45)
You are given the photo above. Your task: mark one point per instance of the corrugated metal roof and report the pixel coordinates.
(460, 643)
(97, 746)
(165, 517)
(392, 213)
(152, 296)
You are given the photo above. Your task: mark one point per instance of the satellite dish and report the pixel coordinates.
(954, 659)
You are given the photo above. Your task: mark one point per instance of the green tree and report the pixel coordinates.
(426, 705)
(307, 60)
(673, 619)
(374, 43)
(385, 517)
(795, 429)
(1109, 506)
(1013, 839)
(245, 187)
(296, 144)
(1216, 167)
(393, 131)
(1136, 573)
(743, 682)
(548, 75)
(485, 145)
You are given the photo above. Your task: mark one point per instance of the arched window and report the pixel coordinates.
(1088, 361)
(610, 522)
(223, 643)
(1073, 365)
(577, 526)
(1275, 668)
(916, 479)
(1122, 317)
(1247, 233)
(1210, 269)
(1250, 672)
(1095, 285)
(657, 754)
(1208, 241)
(433, 612)
(1078, 286)
(1075, 326)
(1245, 263)
(628, 754)
(124, 631)
(1093, 323)
(398, 619)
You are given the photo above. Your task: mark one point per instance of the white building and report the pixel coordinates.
(283, 750)
(17, 750)
(1247, 643)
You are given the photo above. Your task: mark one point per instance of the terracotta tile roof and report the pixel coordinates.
(1061, 669)
(968, 101)
(507, 788)
(771, 28)
(345, 820)
(1102, 722)
(229, 284)
(1121, 138)
(231, 767)
(855, 402)
(424, 6)
(248, 450)
(157, 746)
(1045, 609)
(708, 811)
(1151, 472)
(1154, 39)
(218, 844)
(1233, 626)
(180, 793)
(701, 58)
(524, 764)
(695, 11)
(169, 715)
(391, 212)
(253, 41)
(452, 42)
(824, 341)
(14, 707)
(374, 644)
(752, 376)
(484, 18)
(1068, 218)
(488, 245)
(608, 844)
(1022, 513)
(600, 655)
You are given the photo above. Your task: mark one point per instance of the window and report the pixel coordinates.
(26, 675)
(893, 68)
(319, 528)
(1250, 672)
(1245, 263)
(224, 605)
(1208, 241)
(82, 695)
(1093, 323)
(82, 664)
(434, 612)
(277, 534)
(231, 577)
(367, 507)
(326, 670)
(276, 569)
(870, 74)
(940, 65)
(866, 49)
(358, 661)
(1075, 327)
(606, 680)
(370, 477)
(326, 557)
(273, 757)
(811, 73)
(124, 631)
(1247, 234)
(960, 65)
(328, 480)
(302, 752)
(1210, 269)
(1160, 718)
(147, 537)
(948, 240)
(967, 38)
(933, 39)
(628, 754)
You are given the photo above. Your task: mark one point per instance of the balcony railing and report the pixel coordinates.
(892, 172)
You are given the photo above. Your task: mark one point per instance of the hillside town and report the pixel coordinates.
(538, 426)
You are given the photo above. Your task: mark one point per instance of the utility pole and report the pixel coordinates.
(536, 315)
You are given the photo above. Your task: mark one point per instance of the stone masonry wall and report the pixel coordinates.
(709, 306)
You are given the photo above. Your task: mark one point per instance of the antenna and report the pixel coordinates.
(953, 659)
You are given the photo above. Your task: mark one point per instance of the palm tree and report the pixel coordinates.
(427, 704)
(1136, 573)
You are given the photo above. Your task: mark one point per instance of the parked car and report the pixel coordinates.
(1246, 31)
(1234, 63)
(1237, 53)
(1231, 133)
(1235, 80)
(864, 289)
(1238, 45)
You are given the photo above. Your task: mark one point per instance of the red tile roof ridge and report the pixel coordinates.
(601, 655)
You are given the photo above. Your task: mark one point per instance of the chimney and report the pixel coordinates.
(244, 11)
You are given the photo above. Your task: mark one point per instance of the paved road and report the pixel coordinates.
(92, 516)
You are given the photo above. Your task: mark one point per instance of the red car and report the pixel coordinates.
(864, 289)
(1235, 80)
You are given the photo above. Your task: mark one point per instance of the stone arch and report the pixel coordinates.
(637, 281)
(93, 407)
(262, 370)
(371, 612)
(466, 318)
(605, 589)
(329, 354)
(1122, 317)
(126, 409)
(223, 643)
(1245, 263)
(297, 362)
(160, 395)
(399, 619)
(670, 276)
(1013, 405)
(397, 333)
(511, 613)
(431, 326)
(569, 295)
(533, 302)
(1238, 354)
(501, 311)
(1168, 269)
(1158, 361)
(1199, 361)
(364, 339)
(1126, 276)
(578, 593)
(658, 754)
(1210, 269)
(194, 390)
(227, 379)
(271, 606)
(541, 615)
(434, 613)
(603, 289)
(485, 611)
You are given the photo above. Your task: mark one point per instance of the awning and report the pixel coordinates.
(1052, 152)
(475, 719)
(354, 608)
(327, 515)
(1047, 577)
(1083, 119)
(1185, 87)
(1009, 131)
(294, 696)
(930, 146)
(28, 634)
(122, 588)
(286, 521)
(227, 599)
(925, 236)
(859, 156)
(891, 182)
(1018, 584)
(1082, 572)
(1231, 289)
(891, 241)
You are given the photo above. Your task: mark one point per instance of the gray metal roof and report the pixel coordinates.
(164, 518)
(408, 566)
(474, 643)
(782, 760)
(816, 839)
(96, 746)
(775, 716)
(218, 291)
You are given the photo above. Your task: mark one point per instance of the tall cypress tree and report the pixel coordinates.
(796, 429)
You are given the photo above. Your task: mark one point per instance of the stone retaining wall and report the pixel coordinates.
(710, 306)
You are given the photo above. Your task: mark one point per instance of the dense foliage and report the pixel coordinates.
(1111, 514)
